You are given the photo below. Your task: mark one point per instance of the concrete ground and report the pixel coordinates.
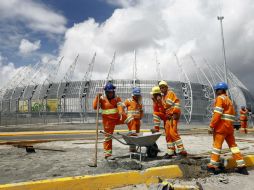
(71, 158)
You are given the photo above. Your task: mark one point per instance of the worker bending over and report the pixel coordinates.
(244, 119)
(112, 114)
(167, 109)
(134, 113)
(221, 127)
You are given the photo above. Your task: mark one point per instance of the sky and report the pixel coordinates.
(33, 31)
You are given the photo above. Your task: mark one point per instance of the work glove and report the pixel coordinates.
(210, 130)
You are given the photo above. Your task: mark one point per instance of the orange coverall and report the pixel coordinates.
(111, 110)
(135, 112)
(222, 124)
(244, 120)
(169, 111)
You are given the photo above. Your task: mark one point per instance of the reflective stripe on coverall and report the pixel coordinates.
(170, 106)
(134, 112)
(110, 118)
(244, 120)
(221, 122)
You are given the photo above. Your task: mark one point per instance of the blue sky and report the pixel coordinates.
(74, 12)
(79, 10)
(34, 30)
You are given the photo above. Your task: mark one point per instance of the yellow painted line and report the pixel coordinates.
(102, 181)
(199, 129)
(13, 142)
(27, 133)
(249, 161)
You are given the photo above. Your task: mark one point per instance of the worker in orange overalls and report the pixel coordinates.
(159, 113)
(112, 114)
(221, 126)
(172, 109)
(244, 119)
(134, 112)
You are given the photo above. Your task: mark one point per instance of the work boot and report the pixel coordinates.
(214, 171)
(109, 157)
(167, 156)
(183, 153)
(242, 170)
(154, 131)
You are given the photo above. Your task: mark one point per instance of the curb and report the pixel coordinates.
(249, 161)
(114, 180)
(27, 133)
(102, 181)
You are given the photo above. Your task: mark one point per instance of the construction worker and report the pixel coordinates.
(171, 106)
(135, 112)
(221, 126)
(159, 113)
(244, 119)
(112, 114)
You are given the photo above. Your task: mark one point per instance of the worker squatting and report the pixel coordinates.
(167, 111)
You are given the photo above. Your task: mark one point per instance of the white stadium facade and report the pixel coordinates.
(25, 100)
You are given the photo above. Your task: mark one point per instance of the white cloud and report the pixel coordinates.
(27, 47)
(33, 14)
(165, 27)
(7, 70)
(162, 26)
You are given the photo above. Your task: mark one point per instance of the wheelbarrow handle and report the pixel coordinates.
(120, 134)
(111, 135)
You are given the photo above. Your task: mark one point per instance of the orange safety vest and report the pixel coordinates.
(110, 108)
(134, 108)
(171, 103)
(244, 115)
(224, 115)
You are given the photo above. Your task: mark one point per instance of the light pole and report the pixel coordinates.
(220, 18)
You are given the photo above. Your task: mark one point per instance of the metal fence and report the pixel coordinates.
(72, 101)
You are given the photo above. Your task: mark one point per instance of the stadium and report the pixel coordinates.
(27, 101)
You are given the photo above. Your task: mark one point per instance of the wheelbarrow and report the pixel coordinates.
(148, 141)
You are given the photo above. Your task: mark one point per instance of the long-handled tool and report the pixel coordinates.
(97, 133)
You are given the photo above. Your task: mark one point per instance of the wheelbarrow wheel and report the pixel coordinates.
(152, 151)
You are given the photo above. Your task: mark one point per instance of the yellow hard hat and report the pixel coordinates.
(155, 90)
(163, 83)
